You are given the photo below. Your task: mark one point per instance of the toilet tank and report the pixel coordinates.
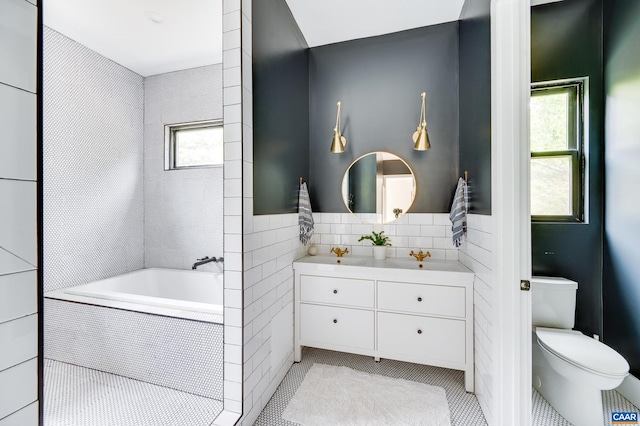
(553, 302)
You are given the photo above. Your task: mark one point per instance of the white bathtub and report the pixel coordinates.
(170, 292)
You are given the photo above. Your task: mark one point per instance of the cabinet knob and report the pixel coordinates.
(335, 291)
(335, 321)
(419, 299)
(419, 331)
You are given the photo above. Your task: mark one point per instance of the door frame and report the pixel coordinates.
(510, 92)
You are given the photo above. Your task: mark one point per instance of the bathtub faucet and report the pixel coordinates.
(206, 259)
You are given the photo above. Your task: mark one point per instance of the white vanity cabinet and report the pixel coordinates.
(387, 309)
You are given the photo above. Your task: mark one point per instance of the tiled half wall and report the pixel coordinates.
(476, 253)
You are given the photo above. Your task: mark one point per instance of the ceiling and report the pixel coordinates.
(331, 21)
(190, 34)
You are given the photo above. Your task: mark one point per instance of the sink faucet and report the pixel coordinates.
(339, 252)
(420, 256)
(206, 259)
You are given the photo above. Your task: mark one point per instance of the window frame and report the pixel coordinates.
(578, 114)
(170, 131)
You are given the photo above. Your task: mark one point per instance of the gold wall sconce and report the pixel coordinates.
(339, 142)
(420, 136)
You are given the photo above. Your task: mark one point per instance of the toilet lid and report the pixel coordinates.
(583, 351)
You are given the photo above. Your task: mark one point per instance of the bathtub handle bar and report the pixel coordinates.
(206, 259)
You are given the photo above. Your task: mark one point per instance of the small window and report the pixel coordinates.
(193, 145)
(557, 151)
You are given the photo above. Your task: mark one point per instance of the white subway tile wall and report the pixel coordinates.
(233, 211)
(18, 239)
(268, 244)
(417, 231)
(270, 251)
(476, 253)
(183, 209)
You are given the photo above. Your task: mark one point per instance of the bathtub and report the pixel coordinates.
(169, 292)
(166, 329)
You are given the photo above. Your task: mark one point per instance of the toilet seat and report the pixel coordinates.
(582, 351)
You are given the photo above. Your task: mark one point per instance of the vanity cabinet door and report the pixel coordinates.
(423, 299)
(334, 326)
(337, 291)
(421, 338)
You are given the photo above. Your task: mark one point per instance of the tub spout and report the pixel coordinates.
(204, 260)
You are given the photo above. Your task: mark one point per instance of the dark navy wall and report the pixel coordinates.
(621, 286)
(280, 108)
(475, 102)
(379, 81)
(566, 42)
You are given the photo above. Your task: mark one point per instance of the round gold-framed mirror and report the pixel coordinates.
(378, 187)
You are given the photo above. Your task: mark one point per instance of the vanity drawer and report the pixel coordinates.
(336, 326)
(422, 298)
(421, 337)
(337, 291)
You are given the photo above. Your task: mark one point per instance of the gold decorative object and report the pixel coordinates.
(339, 252)
(420, 136)
(338, 142)
(420, 256)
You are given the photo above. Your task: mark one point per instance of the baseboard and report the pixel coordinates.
(630, 389)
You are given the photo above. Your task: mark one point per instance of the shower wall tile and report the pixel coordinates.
(25, 416)
(476, 253)
(19, 340)
(93, 163)
(181, 354)
(19, 295)
(18, 387)
(183, 208)
(18, 123)
(10, 264)
(18, 23)
(18, 219)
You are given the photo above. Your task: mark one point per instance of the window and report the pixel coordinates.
(193, 145)
(557, 151)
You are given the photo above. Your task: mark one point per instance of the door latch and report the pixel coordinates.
(525, 285)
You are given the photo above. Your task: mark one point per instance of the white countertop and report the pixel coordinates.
(353, 264)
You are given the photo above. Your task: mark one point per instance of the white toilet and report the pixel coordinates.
(569, 369)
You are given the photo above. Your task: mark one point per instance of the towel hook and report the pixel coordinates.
(300, 180)
(466, 176)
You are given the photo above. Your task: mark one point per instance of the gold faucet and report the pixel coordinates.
(420, 256)
(339, 252)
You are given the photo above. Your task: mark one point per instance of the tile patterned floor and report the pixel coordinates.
(465, 410)
(78, 396)
(545, 415)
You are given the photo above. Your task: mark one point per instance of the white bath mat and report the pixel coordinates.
(340, 396)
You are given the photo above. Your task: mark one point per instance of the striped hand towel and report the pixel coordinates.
(458, 215)
(305, 215)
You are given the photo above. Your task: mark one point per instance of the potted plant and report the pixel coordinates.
(379, 242)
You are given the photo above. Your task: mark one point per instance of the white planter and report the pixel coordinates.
(379, 252)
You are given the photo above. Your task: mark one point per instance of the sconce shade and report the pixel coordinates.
(420, 136)
(422, 141)
(339, 142)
